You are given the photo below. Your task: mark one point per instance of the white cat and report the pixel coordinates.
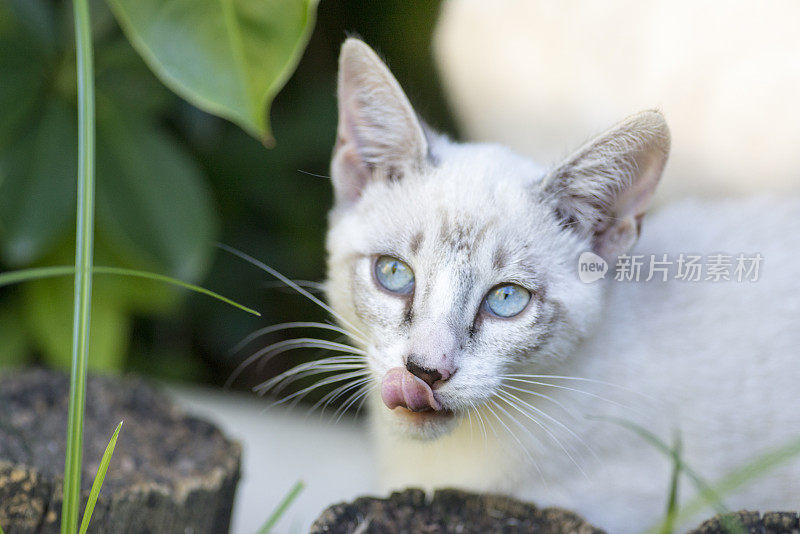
(455, 268)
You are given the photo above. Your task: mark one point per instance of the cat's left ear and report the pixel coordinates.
(603, 190)
(379, 135)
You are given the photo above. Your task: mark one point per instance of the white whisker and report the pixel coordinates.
(543, 427)
(280, 347)
(285, 326)
(543, 396)
(516, 399)
(558, 386)
(291, 379)
(335, 394)
(298, 395)
(582, 379)
(311, 285)
(483, 425)
(263, 266)
(513, 435)
(325, 365)
(366, 396)
(363, 390)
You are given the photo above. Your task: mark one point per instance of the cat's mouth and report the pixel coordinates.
(401, 389)
(415, 405)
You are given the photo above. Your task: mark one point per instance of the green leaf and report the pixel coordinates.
(125, 78)
(24, 70)
(48, 313)
(38, 19)
(37, 191)
(227, 57)
(152, 200)
(282, 507)
(98, 480)
(13, 342)
(38, 273)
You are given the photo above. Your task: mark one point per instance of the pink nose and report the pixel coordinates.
(401, 388)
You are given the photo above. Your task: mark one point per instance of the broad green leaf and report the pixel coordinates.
(13, 343)
(227, 57)
(38, 19)
(125, 78)
(152, 202)
(37, 191)
(23, 71)
(98, 480)
(47, 311)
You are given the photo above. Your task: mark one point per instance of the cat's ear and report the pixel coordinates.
(603, 190)
(379, 135)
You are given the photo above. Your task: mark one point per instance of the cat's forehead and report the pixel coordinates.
(481, 205)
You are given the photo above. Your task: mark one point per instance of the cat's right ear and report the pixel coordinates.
(602, 191)
(379, 135)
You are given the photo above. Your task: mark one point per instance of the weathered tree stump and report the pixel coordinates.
(769, 523)
(449, 511)
(169, 473)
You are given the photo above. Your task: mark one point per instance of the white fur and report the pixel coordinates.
(715, 361)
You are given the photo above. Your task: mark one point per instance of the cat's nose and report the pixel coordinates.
(429, 376)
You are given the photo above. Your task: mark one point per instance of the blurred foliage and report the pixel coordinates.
(222, 185)
(227, 58)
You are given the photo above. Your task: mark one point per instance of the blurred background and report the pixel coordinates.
(539, 76)
(199, 180)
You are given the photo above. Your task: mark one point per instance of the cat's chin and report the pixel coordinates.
(427, 425)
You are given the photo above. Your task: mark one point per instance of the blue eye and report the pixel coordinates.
(507, 300)
(394, 275)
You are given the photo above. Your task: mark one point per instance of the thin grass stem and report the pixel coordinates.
(84, 248)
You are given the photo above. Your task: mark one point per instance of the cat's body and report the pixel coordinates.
(724, 357)
(455, 268)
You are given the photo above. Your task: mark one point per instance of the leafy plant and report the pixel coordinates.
(130, 159)
(144, 220)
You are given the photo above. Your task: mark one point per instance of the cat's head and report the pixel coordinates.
(458, 263)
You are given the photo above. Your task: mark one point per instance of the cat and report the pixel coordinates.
(488, 363)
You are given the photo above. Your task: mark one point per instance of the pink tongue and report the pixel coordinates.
(401, 388)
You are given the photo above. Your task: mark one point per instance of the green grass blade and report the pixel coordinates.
(84, 248)
(741, 476)
(13, 277)
(708, 494)
(24, 275)
(1, 530)
(282, 507)
(672, 503)
(98, 480)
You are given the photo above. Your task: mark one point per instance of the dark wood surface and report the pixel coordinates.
(449, 511)
(170, 473)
